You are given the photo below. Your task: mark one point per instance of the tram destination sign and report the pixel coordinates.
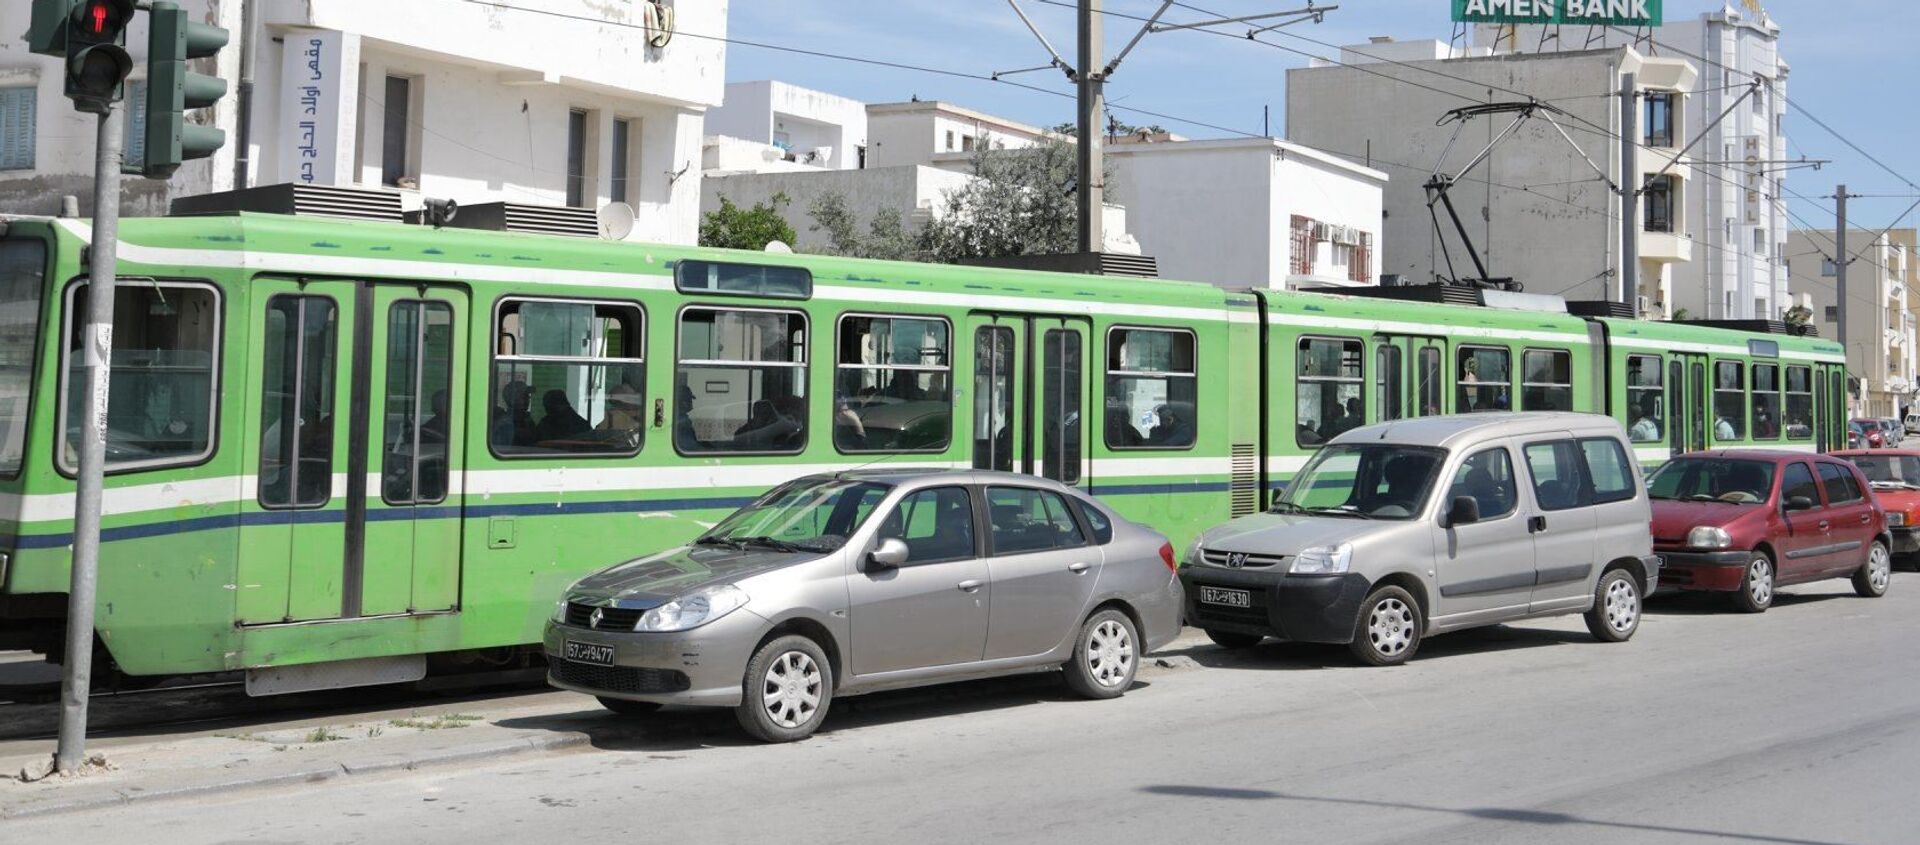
(1591, 12)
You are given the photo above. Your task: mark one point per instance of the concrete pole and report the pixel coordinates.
(1092, 80)
(97, 354)
(243, 125)
(1840, 291)
(1631, 187)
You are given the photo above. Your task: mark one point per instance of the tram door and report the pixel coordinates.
(1031, 390)
(1696, 409)
(1409, 377)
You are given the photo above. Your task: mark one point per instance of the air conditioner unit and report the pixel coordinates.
(1641, 305)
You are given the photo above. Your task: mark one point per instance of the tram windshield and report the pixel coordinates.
(23, 265)
(807, 515)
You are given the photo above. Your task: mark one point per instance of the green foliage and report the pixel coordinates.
(886, 235)
(1021, 204)
(1679, 315)
(731, 227)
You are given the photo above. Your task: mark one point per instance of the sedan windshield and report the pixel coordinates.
(1364, 481)
(1730, 480)
(809, 515)
(1896, 471)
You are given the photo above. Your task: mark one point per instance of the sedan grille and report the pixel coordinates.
(611, 618)
(625, 679)
(1216, 557)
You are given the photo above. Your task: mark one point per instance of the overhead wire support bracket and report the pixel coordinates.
(1057, 60)
(1135, 41)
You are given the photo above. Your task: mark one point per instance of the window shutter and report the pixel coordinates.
(1360, 269)
(136, 141)
(17, 114)
(1302, 245)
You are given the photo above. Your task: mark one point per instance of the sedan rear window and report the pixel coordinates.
(1731, 480)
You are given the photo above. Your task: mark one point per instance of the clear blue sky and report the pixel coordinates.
(1854, 67)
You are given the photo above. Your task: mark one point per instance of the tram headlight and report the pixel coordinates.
(693, 609)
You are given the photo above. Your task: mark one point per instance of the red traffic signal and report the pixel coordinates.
(103, 18)
(96, 60)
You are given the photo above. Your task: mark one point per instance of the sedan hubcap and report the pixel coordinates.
(1760, 581)
(1110, 653)
(1879, 568)
(1390, 627)
(1623, 606)
(791, 691)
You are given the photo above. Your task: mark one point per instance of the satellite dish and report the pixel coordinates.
(616, 221)
(780, 247)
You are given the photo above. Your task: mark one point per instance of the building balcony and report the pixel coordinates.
(1665, 247)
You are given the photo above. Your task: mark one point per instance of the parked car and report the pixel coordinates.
(1865, 434)
(1398, 531)
(1895, 477)
(835, 585)
(1747, 522)
(1895, 432)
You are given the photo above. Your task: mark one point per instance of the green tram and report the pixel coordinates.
(339, 447)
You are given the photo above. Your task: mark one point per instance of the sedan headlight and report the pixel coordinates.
(1323, 560)
(1896, 519)
(1193, 554)
(693, 609)
(559, 614)
(1708, 537)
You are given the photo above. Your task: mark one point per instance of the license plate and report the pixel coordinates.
(1221, 596)
(594, 653)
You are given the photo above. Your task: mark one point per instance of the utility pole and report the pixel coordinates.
(1840, 288)
(1093, 106)
(1631, 186)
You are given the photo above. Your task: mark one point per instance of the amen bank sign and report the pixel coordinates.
(1593, 12)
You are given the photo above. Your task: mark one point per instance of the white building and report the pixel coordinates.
(808, 127)
(1883, 290)
(939, 134)
(1251, 212)
(1537, 209)
(432, 98)
(1736, 208)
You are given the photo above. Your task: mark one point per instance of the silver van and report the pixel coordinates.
(1396, 531)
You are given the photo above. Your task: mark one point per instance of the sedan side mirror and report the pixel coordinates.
(1799, 503)
(890, 554)
(1465, 510)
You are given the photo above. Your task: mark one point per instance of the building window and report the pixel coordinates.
(395, 132)
(1151, 389)
(1659, 204)
(893, 385)
(622, 164)
(1484, 380)
(949, 140)
(1729, 400)
(581, 366)
(576, 158)
(1760, 242)
(1327, 395)
(161, 395)
(1548, 385)
(966, 143)
(1659, 119)
(1833, 313)
(741, 385)
(18, 113)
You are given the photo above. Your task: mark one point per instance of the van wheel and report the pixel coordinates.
(628, 708)
(1229, 639)
(1389, 628)
(1105, 656)
(1615, 613)
(1873, 576)
(786, 691)
(1756, 590)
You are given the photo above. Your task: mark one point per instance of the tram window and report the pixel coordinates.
(1386, 382)
(413, 467)
(893, 386)
(1060, 406)
(569, 378)
(1766, 401)
(298, 360)
(1729, 400)
(1327, 397)
(1485, 379)
(1645, 401)
(1430, 390)
(741, 382)
(744, 279)
(23, 265)
(1151, 389)
(166, 338)
(1799, 403)
(1548, 382)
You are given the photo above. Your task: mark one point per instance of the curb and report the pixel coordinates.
(328, 771)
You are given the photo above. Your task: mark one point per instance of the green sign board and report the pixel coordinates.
(1592, 12)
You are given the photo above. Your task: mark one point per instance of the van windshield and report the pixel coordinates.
(1364, 481)
(23, 266)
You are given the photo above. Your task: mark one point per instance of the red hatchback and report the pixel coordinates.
(1748, 521)
(1895, 476)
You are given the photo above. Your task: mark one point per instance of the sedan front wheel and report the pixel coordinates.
(1871, 580)
(1755, 594)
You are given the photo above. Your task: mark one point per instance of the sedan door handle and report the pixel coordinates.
(1078, 568)
(1824, 525)
(1866, 518)
(970, 586)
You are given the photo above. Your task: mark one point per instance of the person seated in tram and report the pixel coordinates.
(848, 429)
(1353, 416)
(1723, 429)
(1172, 428)
(513, 423)
(561, 422)
(1646, 424)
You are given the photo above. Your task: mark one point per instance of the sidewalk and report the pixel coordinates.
(184, 766)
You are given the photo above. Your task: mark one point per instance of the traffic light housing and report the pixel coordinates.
(97, 60)
(172, 90)
(47, 33)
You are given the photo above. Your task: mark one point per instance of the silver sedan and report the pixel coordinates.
(834, 585)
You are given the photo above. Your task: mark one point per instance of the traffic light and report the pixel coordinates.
(97, 61)
(172, 90)
(47, 34)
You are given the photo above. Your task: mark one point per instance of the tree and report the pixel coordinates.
(1115, 129)
(731, 227)
(1020, 203)
(886, 236)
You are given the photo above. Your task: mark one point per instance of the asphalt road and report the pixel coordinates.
(1796, 726)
